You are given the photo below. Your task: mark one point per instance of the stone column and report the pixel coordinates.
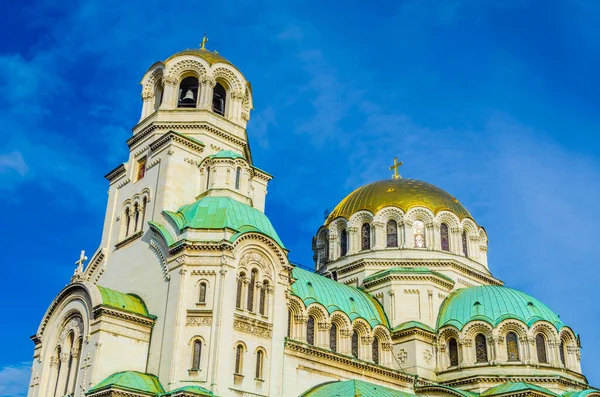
(206, 92)
(465, 356)
(437, 240)
(300, 327)
(401, 235)
(353, 240)
(74, 370)
(322, 339)
(62, 374)
(379, 234)
(429, 236)
(147, 104)
(409, 240)
(170, 94)
(53, 376)
(455, 241)
(345, 342)
(234, 110)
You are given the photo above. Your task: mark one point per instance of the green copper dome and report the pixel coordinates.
(130, 381)
(493, 304)
(353, 388)
(223, 213)
(312, 287)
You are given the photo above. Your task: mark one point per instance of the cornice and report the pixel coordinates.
(361, 263)
(129, 239)
(413, 332)
(173, 136)
(430, 277)
(115, 173)
(348, 361)
(128, 316)
(550, 378)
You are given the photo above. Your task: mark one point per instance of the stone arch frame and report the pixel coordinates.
(191, 342)
(385, 344)
(242, 358)
(264, 370)
(365, 338)
(322, 247)
(247, 105)
(380, 220)
(444, 336)
(151, 80)
(468, 335)
(187, 65)
(335, 229)
(571, 346)
(472, 230)
(272, 251)
(356, 221)
(235, 88)
(196, 289)
(344, 329)
(298, 318)
(521, 330)
(450, 219)
(77, 299)
(424, 215)
(552, 342)
(126, 206)
(322, 324)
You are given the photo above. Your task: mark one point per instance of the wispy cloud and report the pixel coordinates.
(14, 380)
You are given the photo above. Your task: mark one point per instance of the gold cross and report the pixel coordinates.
(395, 168)
(204, 41)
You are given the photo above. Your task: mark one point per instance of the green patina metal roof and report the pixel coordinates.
(412, 324)
(581, 393)
(353, 388)
(223, 212)
(405, 270)
(132, 381)
(493, 304)
(226, 154)
(312, 287)
(425, 389)
(514, 387)
(196, 390)
(128, 302)
(160, 229)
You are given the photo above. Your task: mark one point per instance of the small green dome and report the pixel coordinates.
(493, 304)
(223, 213)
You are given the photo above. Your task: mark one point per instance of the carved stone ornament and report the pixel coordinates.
(402, 355)
(198, 320)
(427, 356)
(255, 330)
(255, 257)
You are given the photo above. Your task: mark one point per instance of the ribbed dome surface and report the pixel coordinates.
(209, 56)
(493, 304)
(401, 193)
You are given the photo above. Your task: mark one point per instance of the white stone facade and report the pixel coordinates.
(190, 286)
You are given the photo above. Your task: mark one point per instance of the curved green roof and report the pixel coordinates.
(226, 154)
(132, 381)
(223, 212)
(581, 393)
(412, 324)
(128, 302)
(514, 387)
(312, 287)
(353, 388)
(493, 304)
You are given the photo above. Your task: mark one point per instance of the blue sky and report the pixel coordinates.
(496, 102)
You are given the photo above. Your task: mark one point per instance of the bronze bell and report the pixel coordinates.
(189, 96)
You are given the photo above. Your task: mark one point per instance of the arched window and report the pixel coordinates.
(343, 242)
(239, 359)
(238, 171)
(202, 293)
(218, 102)
(259, 364)
(310, 330)
(366, 236)
(188, 93)
(464, 244)
(512, 347)
(444, 237)
(251, 287)
(419, 233)
(240, 287)
(196, 353)
(453, 352)
(127, 221)
(289, 332)
(136, 211)
(143, 209)
(333, 338)
(158, 96)
(355, 344)
(481, 349)
(562, 352)
(375, 350)
(392, 233)
(207, 177)
(540, 347)
(69, 368)
(263, 298)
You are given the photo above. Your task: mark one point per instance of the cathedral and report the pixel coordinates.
(191, 292)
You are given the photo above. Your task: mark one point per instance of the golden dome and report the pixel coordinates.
(401, 193)
(211, 57)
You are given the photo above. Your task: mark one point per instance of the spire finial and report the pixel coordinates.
(395, 168)
(204, 41)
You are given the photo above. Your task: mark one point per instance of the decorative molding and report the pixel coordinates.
(258, 258)
(173, 136)
(129, 239)
(152, 163)
(198, 320)
(161, 259)
(253, 327)
(115, 173)
(123, 183)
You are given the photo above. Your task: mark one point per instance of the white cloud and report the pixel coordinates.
(13, 162)
(14, 380)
